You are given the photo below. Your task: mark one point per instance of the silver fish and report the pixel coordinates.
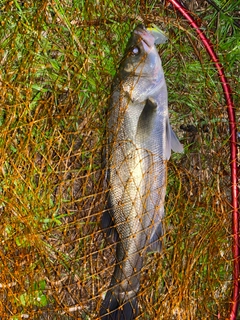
(140, 140)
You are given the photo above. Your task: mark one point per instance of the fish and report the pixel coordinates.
(139, 144)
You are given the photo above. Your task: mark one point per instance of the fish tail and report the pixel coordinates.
(113, 309)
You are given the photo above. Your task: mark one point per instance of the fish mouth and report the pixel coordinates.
(151, 35)
(159, 36)
(145, 35)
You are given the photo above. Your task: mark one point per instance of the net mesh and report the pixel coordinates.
(58, 59)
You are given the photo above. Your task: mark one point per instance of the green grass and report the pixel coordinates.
(57, 64)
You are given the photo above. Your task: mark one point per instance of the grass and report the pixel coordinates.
(57, 64)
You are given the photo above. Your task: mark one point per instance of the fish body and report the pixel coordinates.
(140, 140)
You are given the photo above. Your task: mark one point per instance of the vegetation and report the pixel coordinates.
(58, 59)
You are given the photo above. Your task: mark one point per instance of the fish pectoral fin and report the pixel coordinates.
(175, 143)
(172, 141)
(151, 103)
(145, 122)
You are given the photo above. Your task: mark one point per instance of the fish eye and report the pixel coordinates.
(135, 50)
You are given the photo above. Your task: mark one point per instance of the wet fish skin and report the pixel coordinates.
(140, 140)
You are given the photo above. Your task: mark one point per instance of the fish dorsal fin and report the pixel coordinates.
(172, 142)
(145, 122)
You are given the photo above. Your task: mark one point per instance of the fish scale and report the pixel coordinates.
(140, 140)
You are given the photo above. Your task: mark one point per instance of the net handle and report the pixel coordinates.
(233, 149)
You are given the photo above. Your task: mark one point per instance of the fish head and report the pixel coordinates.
(141, 67)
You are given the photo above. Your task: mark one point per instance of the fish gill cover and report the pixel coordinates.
(58, 61)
